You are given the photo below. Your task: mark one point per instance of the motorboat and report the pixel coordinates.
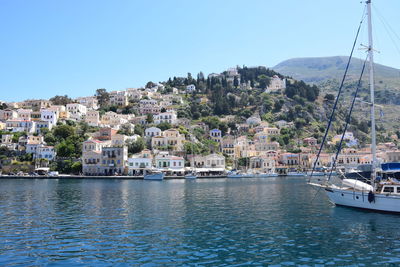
(154, 175)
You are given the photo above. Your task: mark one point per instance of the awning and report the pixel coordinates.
(45, 169)
(171, 170)
(209, 169)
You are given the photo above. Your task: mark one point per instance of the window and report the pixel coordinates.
(388, 189)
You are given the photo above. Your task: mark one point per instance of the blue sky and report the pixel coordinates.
(74, 47)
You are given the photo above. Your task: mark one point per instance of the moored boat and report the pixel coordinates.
(300, 174)
(191, 175)
(154, 175)
(238, 174)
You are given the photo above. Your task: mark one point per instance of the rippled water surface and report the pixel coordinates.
(205, 222)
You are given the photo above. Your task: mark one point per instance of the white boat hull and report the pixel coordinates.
(188, 176)
(240, 176)
(295, 174)
(266, 175)
(359, 199)
(154, 176)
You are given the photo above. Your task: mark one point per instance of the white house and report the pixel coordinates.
(43, 124)
(264, 163)
(152, 131)
(216, 135)
(21, 125)
(89, 102)
(211, 161)
(191, 88)
(276, 83)
(168, 163)
(137, 164)
(134, 94)
(76, 111)
(7, 114)
(149, 106)
(6, 138)
(113, 119)
(49, 115)
(168, 117)
(92, 117)
(45, 152)
(24, 114)
(119, 98)
(120, 139)
(148, 102)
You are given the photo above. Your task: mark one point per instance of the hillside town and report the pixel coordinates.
(131, 131)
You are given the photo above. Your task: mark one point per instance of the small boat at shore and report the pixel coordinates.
(299, 174)
(238, 174)
(154, 175)
(191, 175)
(266, 175)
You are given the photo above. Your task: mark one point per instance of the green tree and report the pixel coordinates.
(50, 139)
(136, 146)
(63, 131)
(61, 100)
(125, 129)
(164, 126)
(329, 97)
(150, 84)
(149, 118)
(244, 161)
(102, 97)
(235, 82)
(17, 135)
(76, 167)
(263, 81)
(139, 130)
(278, 105)
(65, 149)
(192, 148)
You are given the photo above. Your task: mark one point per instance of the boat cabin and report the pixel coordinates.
(390, 189)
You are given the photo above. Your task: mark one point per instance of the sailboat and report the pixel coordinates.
(379, 195)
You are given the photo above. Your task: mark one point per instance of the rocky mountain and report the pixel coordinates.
(321, 69)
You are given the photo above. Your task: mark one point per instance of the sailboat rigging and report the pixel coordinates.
(379, 195)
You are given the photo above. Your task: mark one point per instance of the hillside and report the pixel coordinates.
(327, 72)
(320, 69)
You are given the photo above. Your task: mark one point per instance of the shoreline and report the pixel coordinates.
(103, 177)
(80, 177)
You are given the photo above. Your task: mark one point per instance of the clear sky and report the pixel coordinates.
(74, 47)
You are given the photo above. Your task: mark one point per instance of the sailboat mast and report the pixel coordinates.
(372, 91)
